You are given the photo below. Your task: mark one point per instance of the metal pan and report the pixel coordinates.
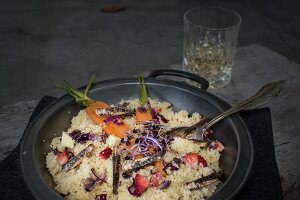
(236, 160)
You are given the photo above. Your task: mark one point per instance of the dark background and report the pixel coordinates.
(73, 39)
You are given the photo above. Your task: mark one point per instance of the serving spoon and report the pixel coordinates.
(267, 93)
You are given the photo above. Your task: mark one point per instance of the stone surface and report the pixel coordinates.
(13, 120)
(71, 39)
(255, 66)
(249, 75)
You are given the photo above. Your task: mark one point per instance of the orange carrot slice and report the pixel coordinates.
(116, 130)
(143, 116)
(132, 142)
(110, 128)
(91, 111)
(139, 156)
(160, 166)
(151, 150)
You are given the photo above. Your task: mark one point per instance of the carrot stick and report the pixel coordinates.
(138, 156)
(160, 166)
(116, 130)
(151, 150)
(110, 128)
(132, 142)
(91, 111)
(143, 116)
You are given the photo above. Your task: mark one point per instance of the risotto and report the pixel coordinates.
(123, 151)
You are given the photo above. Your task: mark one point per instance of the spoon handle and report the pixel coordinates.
(265, 94)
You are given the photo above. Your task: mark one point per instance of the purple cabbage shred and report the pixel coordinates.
(56, 151)
(171, 167)
(113, 118)
(134, 191)
(177, 160)
(142, 109)
(154, 114)
(126, 175)
(81, 137)
(162, 118)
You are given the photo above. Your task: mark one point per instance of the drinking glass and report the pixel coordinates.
(209, 44)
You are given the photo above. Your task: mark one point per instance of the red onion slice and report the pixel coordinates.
(165, 185)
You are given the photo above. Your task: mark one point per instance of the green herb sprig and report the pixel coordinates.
(143, 90)
(80, 96)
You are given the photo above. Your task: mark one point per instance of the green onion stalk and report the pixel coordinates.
(143, 90)
(80, 96)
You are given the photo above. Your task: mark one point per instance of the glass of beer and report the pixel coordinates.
(209, 43)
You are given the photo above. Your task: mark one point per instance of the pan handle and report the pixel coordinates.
(173, 72)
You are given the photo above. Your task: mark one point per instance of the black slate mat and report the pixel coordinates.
(264, 182)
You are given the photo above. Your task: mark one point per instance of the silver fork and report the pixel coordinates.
(264, 95)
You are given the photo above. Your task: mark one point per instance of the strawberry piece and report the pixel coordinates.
(191, 160)
(106, 153)
(202, 162)
(156, 179)
(194, 160)
(141, 182)
(219, 146)
(63, 157)
(139, 186)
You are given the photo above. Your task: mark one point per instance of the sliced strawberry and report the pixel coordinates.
(202, 162)
(141, 182)
(194, 160)
(106, 153)
(139, 186)
(219, 146)
(156, 179)
(63, 157)
(191, 160)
